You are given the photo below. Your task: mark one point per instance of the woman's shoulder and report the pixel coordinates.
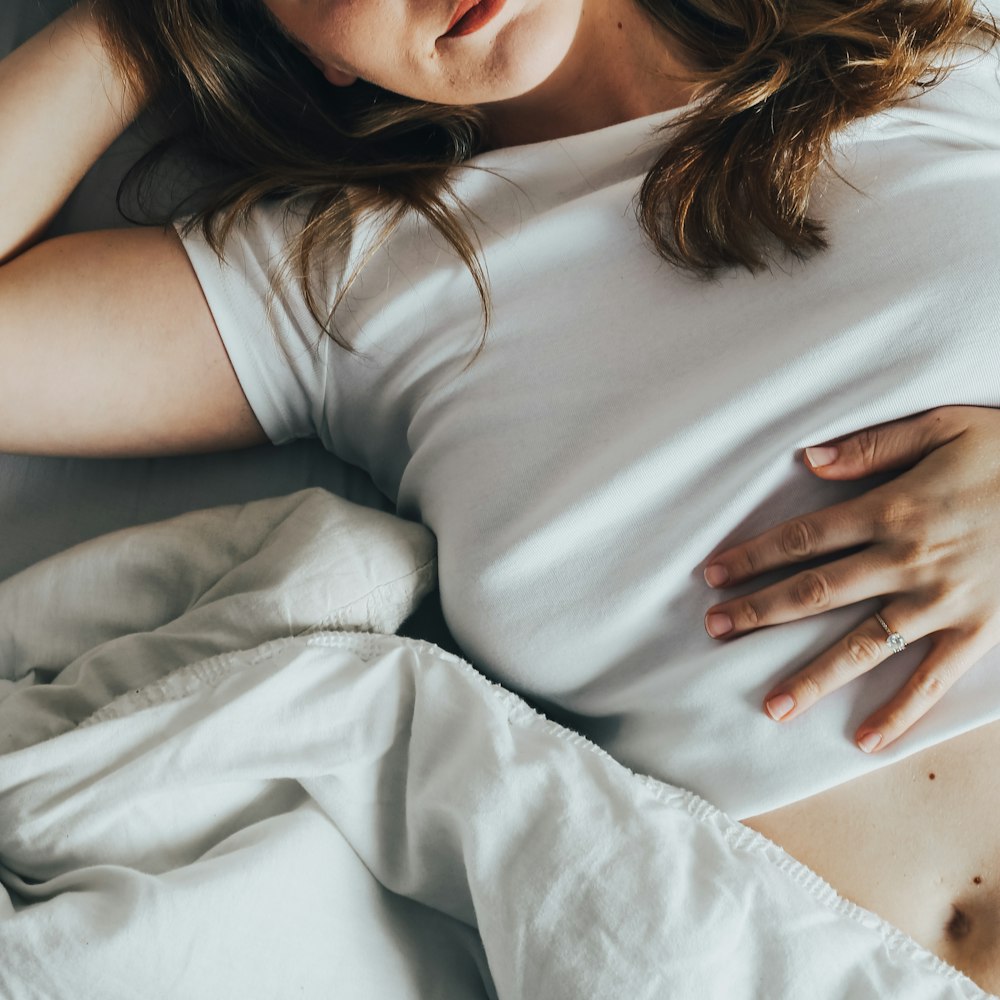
(963, 101)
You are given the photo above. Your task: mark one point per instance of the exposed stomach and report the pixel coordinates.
(918, 843)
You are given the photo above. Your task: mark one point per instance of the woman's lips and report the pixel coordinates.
(471, 16)
(463, 8)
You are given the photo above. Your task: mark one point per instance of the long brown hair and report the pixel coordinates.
(776, 80)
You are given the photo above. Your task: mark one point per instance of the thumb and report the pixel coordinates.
(885, 447)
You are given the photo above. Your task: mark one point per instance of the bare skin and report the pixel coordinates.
(61, 104)
(107, 347)
(924, 542)
(918, 843)
(121, 357)
(543, 70)
(915, 842)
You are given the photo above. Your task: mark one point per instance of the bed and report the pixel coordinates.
(239, 757)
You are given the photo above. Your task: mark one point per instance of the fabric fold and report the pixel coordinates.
(314, 812)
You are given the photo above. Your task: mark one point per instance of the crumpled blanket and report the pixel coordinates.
(217, 781)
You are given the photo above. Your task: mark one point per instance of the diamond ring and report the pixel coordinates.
(894, 640)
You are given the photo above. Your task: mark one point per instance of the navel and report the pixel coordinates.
(959, 925)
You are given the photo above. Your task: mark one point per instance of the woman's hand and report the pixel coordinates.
(929, 546)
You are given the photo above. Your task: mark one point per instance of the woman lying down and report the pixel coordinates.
(625, 301)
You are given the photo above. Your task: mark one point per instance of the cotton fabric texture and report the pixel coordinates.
(211, 790)
(625, 420)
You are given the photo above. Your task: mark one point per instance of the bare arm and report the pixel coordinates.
(61, 106)
(107, 346)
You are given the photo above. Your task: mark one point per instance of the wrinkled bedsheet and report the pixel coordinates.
(219, 780)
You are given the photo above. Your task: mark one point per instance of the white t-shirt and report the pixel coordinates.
(625, 419)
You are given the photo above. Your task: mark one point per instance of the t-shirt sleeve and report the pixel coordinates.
(278, 350)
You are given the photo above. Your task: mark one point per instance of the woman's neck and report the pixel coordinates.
(621, 66)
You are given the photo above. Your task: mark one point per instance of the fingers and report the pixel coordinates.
(853, 522)
(912, 538)
(885, 447)
(842, 526)
(858, 652)
(866, 647)
(951, 656)
(834, 585)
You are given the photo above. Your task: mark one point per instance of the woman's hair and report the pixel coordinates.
(775, 81)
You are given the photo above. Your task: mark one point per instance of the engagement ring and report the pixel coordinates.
(894, 640)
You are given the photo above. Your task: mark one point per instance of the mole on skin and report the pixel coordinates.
(932, 775)
(978, 880)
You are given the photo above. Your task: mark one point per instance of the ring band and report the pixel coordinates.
(894, 640)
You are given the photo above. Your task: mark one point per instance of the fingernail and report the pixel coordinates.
(820, 456)
(869, 741)
(779, 706)
(716, 575)
(718, 624)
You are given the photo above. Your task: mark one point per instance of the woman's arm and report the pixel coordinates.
(61, 105)
(107, 346)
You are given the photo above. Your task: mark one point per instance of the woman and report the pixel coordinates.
(581, 461)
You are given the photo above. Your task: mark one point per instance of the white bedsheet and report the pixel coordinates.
(207, 792)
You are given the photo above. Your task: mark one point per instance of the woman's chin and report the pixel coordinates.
(508, 62)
